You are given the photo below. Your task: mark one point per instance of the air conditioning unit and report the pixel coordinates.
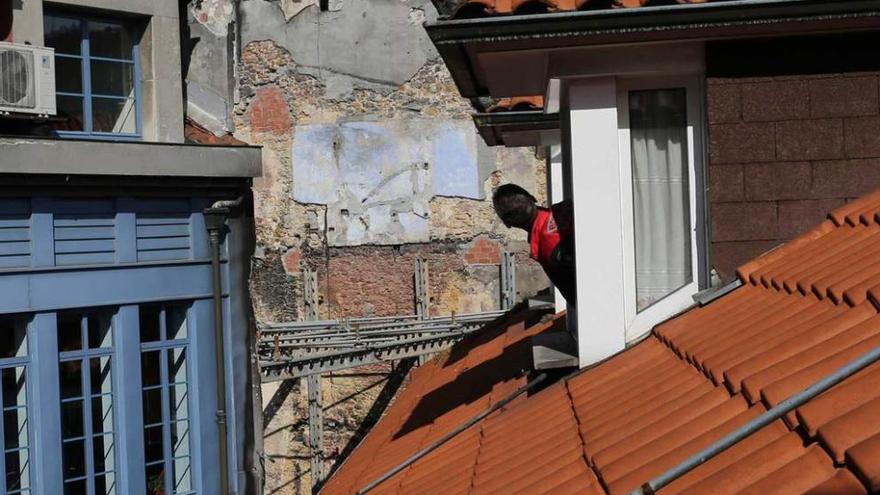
(27, 79)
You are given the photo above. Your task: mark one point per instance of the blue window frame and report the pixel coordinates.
(85, 345)
(164, 339)
(14, 428)
(97, 76)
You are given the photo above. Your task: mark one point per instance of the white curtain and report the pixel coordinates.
(658, 129)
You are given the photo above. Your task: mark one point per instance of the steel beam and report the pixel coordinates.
(316, 430)
(508, 280)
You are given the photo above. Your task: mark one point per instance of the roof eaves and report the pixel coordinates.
(492, 126)
(455, 38)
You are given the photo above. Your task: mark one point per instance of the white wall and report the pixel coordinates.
(590, 132)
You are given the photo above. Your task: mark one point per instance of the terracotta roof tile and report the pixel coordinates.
(805, 310)
(517, 104)
(842, 483)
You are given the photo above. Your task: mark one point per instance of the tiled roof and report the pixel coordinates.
(482, 8)
(804, 310)
(517, 103)
(194, 133)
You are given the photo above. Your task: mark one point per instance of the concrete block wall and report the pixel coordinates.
(783, 151)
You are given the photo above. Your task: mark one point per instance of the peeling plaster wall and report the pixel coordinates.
(371, 161)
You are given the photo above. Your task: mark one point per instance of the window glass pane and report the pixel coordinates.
(149, 323)
(156, 479)
(73, 455)
(153, 443)
(112, 78)
(100, 332)
(182, 475)
(152, 406)
(103, 451)
(110, 40)
(13, 341)
(178, 401)
(70, 336)
(112, 115)
(99, 368)
(150, 368)
(63, 34)
(176, 323)
(75, 487)
(15, 428)
(68, 75)
(14, 389)
(102, 414)
(177, 365)
(661, 197)
(17, 470)
(71, 379)
(72, 419)
(180, 439)
(70, 108)
(105, 484)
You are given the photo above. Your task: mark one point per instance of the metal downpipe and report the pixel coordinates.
(215, 222)
(761, 421)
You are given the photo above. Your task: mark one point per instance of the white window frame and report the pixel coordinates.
(638, 323)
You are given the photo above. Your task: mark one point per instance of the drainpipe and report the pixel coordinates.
(215, 221)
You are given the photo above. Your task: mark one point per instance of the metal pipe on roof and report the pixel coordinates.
(761, 421)
(449, 436)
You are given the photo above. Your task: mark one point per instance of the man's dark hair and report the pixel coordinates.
(513, 204)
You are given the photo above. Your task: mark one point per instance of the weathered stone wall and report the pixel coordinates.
(314, 88)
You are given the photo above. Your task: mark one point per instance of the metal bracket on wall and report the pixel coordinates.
(508, 280)
(421, 285)
(316, 406)
(310, 294)
(316, 430)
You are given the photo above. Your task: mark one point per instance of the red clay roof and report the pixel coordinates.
(517, 103)
(195, 133)
(484, 8)
(805, 309)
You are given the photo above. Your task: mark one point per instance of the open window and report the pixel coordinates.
(661, 147)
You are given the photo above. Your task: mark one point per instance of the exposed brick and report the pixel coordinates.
(775, 181)
(776, 100)
(845, 178)
(741, 143)
(483, 252)
(725, 183)
(723, 102)
(844, 96)
(796, 217)
(816, 139)
(291, 261)
(269, 111)
(744, 222)
(863, 137)
(727, 256)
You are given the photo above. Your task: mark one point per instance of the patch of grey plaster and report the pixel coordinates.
(208, 108)
(215, 15)
(291, 8)
(372, 42)
(377, 178)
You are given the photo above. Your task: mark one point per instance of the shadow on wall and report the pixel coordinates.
(6, 20)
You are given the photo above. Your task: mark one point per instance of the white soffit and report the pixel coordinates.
(538, 72)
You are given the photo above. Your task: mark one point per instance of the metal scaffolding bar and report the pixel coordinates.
(421, 285)
(508, 280)
(316, 430)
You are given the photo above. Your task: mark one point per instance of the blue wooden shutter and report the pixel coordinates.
(15, 233)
